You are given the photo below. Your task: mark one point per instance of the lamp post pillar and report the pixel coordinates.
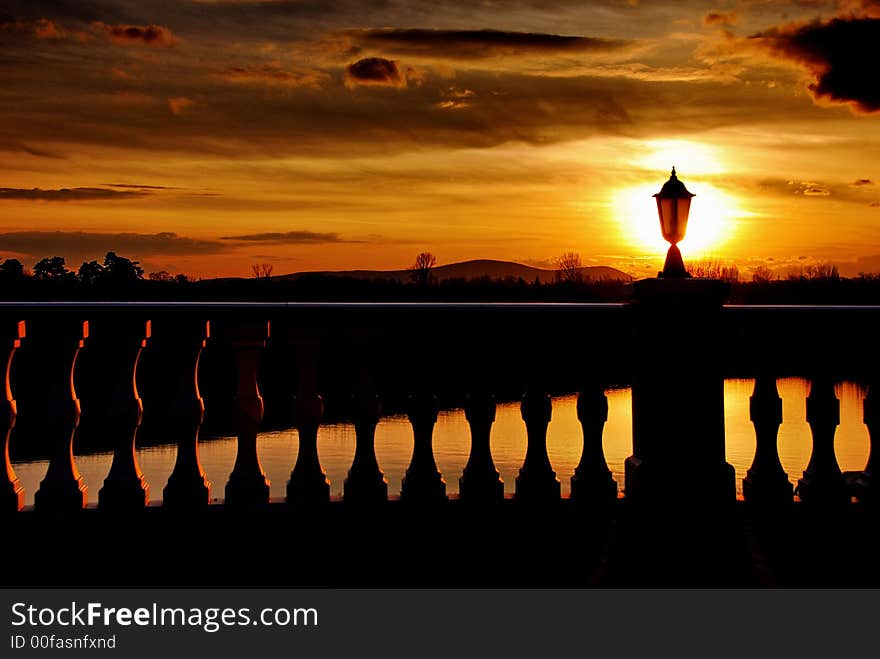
(678, 395)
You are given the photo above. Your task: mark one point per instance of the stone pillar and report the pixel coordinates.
(11, 491)
(678, 395)
(592, 484)
(247, 486)
(366, 484)
(480, 482)
(423, 483)
(178, 345)
(536, 483)
(118, 340)
(766, 484)
(56, 342)
(868, 482)
(823, 484)
(308, 486)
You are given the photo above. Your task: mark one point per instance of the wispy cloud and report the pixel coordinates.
(479, 44)
(85, 244)
(70, 194)
(292, 238)
(312, 78)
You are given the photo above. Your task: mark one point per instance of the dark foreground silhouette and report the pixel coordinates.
(454, 546)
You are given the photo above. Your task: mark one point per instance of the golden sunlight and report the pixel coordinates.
(699, 159)
(711, 224)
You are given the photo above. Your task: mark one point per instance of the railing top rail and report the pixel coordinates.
(147, 304)
(406, 305)
(758, 308)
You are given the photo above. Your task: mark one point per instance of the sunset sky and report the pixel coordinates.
(204, 136)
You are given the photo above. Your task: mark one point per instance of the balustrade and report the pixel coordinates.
(178, 346)
(308, 485)
(537, 482)
(366, 484)
(868, 482)
(823, 484)
(480, 482)
(766, 484)
(118, 343)
(11, 491)
(172, 341)
(248, 486)
(423, 483)
(56, 343)
(592, 484)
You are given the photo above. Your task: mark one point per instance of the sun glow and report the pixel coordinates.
(698, 159)
(711, 224)
(713, 213)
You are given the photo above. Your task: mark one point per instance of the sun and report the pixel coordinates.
(710, 226)
(713, 214)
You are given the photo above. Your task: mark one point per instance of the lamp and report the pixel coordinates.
(673, 206)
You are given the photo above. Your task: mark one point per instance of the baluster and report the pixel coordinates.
(592, 483)
(11, 491)
(867, 482)
(118, 342)
(480, 482)
(823, 484)
(308, 485)
(247, 486)
(366, 484)
(56, 343)
(423, 482)
(766, 484)
(178, 345)
(537, 482)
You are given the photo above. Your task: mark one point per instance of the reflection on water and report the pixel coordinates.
(452, 439)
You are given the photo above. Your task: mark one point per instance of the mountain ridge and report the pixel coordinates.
(472, 269)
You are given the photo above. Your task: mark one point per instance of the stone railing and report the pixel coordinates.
(674, 343)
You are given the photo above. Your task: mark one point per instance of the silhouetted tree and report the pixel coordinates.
(568, 267)
(714, 269)
(420, 271)
(90, 273)
(823, 271)
(52, 268)
(762, 275)
(120, 270)
(12, 270)
(161, 275)
(262, 270)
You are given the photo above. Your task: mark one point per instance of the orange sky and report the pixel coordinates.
(202, 137)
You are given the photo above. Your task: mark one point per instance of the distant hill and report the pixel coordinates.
(474, 270)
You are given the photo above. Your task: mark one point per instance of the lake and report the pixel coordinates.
(336, 444)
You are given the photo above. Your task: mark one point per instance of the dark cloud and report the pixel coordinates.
(479, 44)
(146, 35)
(375, 71)
(292, 238)
(863, 181)
(842, 54)
(720, 18)
(85, 245)
(69, 194)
